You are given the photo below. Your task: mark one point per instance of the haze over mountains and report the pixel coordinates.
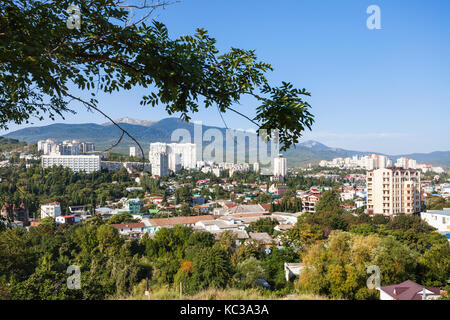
(146, 131)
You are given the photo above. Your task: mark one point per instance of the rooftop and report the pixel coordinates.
(409, 290)
(178, 220)
(445, 211)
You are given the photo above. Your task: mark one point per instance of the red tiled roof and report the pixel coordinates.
(179, 220)
(129, 225)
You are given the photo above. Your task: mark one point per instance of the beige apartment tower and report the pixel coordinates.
(392, 191)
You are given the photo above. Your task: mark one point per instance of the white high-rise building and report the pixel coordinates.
(380, 161)
(135, 152)
(76, 163)
(406, 163)
(46, 145)
(86, 147)
(160, 164)
(175, 162)
(51, 210)
(67, 147)
(187, 154)
(256, 167)
(279, 166)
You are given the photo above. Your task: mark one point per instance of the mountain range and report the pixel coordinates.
(146, 131)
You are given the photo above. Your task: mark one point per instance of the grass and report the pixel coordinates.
(166, 293)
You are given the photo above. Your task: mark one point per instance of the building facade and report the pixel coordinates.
(160, 164)
(179, 154)
(11, 212)
(279, 166)
(76, 163)
(439, 219)
(392, 191)
(51, 210)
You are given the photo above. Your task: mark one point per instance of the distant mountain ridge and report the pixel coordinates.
(145, 123)
(146, 131)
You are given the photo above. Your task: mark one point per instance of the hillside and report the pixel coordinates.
(146, 131)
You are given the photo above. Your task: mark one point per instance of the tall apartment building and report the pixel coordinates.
(67, 147)
(380, 161)
(406, 163)
(135, 152)
(179, 154)
(392, 191)
(86, 147)
(52, 210)
(46, 145)
(279, 166)
(76, 163)
(160, 164)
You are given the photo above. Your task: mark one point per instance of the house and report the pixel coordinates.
(156, 199)
(104, 210)
(70, 219)
(292, 269)
(278, 190)
(79, 210)
(439, 219)
(153, 225)
(261, 236)
(133, 205)
(12, 212)
(52, 210)
(131, 229)
(229, 209)
(133, 189)
(309, 201)
(408, 290)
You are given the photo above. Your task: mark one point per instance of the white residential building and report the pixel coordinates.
(179, 154)
(175, 161)
(46, 145)
(76, 163)
(160, 164)
(51, 210)
(369, 162)
(279, 166)
(439, 219)
(135, 152)
(406, 163)
(256, 167)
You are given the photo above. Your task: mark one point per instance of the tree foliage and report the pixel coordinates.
(42, 61)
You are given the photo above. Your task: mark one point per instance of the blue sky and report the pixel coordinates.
(382, 90)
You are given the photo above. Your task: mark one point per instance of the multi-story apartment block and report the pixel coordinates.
(369, 162)
(160, 164)
(52, 210)
(309, 200)
(76, 163)
(279, 166)
(406, 163)
(392, 191)
(67, 147)
(179, 154)
(135, 152)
